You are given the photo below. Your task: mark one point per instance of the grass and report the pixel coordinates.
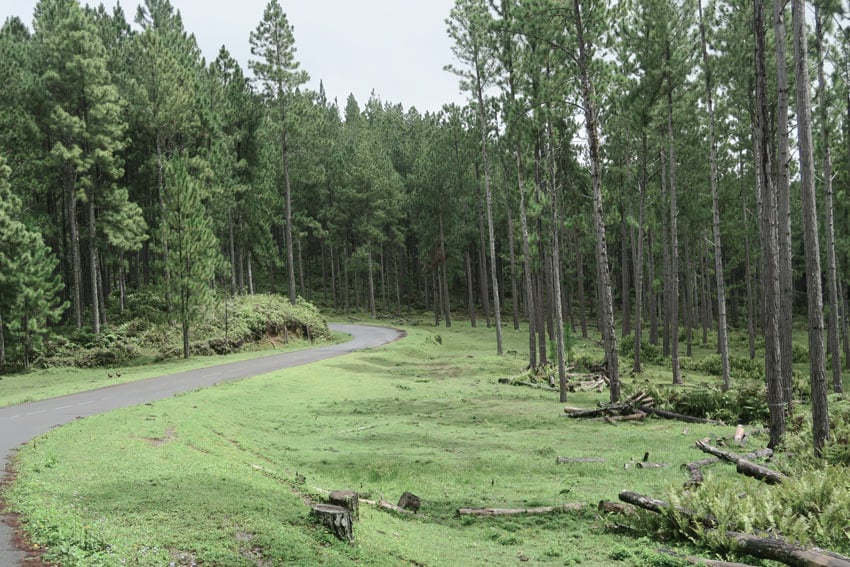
(39, 384)
(214, 477)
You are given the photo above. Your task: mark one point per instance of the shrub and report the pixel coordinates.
(649, 353)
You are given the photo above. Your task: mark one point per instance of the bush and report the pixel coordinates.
(649, 353)
(746, 402)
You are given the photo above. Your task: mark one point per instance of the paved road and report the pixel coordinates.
(19, 424)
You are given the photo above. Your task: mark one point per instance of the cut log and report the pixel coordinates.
(348, 499)
(336, 518)
(598, 412)
(677, 416)
(644, 465)
(784, 552)
(695, 468)
(702, 560)
(616, 507)
(661, 507)
(386, 505)
(765, 474)
(409, 501)
(519, 511)
(564, 460)
(510, 382)
(639, 416)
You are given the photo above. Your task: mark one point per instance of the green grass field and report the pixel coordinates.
(213, 477)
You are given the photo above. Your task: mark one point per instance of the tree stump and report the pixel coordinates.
(336, 518)
(409, 501)
(348, 499)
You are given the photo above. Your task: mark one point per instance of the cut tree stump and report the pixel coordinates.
(564, 460)
(348, 499)
(336, 518)
(409, 501)
(519, 511)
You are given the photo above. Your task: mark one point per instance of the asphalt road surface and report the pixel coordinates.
(19, 424)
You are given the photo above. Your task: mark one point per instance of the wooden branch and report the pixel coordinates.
(638, 416)
(520, 511)
(385, 505)
(765, 474)
(616, 507)
(784, 552)
(702, 560)
(576, 412)
(661, 507)
(678, 416)
(563, 460)
(645, 465)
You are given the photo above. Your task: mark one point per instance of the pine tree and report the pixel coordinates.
(276, 70)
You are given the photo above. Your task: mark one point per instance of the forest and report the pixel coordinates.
(647, 170)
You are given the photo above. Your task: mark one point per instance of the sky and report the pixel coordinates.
(395, 47)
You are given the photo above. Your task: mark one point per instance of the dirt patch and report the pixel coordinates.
(170, 435)
(249, 552)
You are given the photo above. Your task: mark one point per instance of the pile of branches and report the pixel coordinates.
(635, 407)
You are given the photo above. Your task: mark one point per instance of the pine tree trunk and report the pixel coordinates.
(250, 276)
(769, 237)
(444, 281)
(845, 325)
(604, 281)
(68, 176)
(334, 272)
(652, 299)
(371, 282)
(582, 293)
(2, 343)
(674, 237)
(301, 271)
(748, 275)
(558, 314)
(470, 298)
(817, 363)
(231, 246)
(526, 264)
(540, 325)
(639, 260)
(625, 283)
(688, 292)
(482, 264)
(722, 337)
(290, 260)
(435, 287)
(667, 263)
(95, 303)
(826, 175)
(783, 194)
(514, 286)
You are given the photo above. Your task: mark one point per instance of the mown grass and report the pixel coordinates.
(214, 477)
(42, 383)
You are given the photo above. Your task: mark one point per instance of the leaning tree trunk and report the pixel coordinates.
(832, 270)
(609, 333)
(817, 364)
(783, 194)
(722, 339)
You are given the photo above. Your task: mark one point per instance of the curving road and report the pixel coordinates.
(19, 424)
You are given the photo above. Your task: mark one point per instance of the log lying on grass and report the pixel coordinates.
(386, 505)
(519, 511)
(678, 416)
(616, 507)
(744, 466)
(564, 460)
(757, 546)
(336, 518)
(646, 465)
(534, 385)
(702, 560)
(613, 419)
(695, 468)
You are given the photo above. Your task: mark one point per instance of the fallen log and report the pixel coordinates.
(784, 552)
(645, 465)
(702, 560)
(511, 382)
(677, 416)
(759, 472)
(695, 468)
(564, 460)
(638, 416)
(661, 507)
(616, 507)
(520, 511)
(386, 505)
(762, 547)
(598, 412)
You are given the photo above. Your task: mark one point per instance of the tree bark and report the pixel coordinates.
(514, 286)
(290, 261)
(817, 363)
(783, 195)
(674, 234)
(469, 287)
(826, 175)
(603, 271)
(639, 260)
(95, 300)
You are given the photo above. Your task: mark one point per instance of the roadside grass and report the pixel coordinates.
(42, 383)
(221, 476)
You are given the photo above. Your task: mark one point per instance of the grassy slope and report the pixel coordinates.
(51, 382)
(210, 476)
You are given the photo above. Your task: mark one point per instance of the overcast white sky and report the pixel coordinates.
(396, 47)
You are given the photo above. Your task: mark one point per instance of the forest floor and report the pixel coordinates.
(223, 476)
